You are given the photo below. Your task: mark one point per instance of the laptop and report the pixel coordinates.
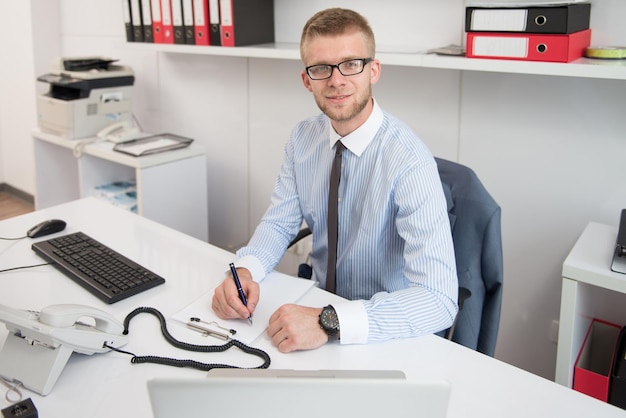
(312, 394)
(332, 373)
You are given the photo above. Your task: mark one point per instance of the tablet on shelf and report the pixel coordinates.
(153, 144)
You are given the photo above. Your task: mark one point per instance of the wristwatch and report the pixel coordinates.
(329, 322)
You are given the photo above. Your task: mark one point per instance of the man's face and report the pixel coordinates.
(346, 100)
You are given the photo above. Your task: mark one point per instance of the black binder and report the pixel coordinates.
(177, 22)
(618, 264)
(558, 18)
(146, 21)
(188, 22)
(617, 389)
(247, 22)
(128, 24)
(135, 19)
(214, 23)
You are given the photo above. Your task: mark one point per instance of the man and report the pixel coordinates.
(395, 256)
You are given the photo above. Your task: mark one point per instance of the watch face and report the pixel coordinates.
(329, 320)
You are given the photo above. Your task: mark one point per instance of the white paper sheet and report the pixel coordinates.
(276, 290)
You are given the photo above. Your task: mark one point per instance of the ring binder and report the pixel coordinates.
(557, 18)
(618, 264)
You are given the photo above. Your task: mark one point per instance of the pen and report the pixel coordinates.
(206, 331)
(242, 296)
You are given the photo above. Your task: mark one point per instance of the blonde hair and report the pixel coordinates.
(337, 21)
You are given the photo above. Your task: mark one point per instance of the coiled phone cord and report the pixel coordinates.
(189, 347)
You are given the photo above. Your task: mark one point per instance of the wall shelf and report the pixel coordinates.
(584, 67)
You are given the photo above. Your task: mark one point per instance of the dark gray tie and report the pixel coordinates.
(333, 203)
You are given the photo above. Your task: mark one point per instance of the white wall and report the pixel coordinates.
(550, 157)
(31, 25)
(550, 149)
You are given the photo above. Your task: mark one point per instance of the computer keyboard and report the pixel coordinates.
(101, 270)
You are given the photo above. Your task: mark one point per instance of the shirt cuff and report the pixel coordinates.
(253, 265)
(353, 322)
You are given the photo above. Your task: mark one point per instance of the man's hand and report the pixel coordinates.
(295, 327)
(226, 303)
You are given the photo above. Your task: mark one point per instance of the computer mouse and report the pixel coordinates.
(46, 228)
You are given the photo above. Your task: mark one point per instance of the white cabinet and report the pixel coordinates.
(589, 290)
(171, 186)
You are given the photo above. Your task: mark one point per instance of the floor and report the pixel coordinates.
(11, 206)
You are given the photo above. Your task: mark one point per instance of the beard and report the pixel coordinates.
(345, 113)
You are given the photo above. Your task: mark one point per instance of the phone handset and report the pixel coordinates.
(67, 325)
(120, 132)
(68, 315)
(70, 325)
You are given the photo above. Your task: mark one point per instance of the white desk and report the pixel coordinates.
(589, 290)
(105, 385)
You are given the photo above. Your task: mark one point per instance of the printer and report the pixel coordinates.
(86, 95)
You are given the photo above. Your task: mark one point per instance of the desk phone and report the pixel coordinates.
(40, 343)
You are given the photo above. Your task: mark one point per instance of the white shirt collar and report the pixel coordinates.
(360, 138)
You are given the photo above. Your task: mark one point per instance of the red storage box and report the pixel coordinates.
(592, 371)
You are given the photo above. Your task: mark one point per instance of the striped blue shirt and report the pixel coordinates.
(395, 257)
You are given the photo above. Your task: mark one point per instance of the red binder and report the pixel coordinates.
(528, 47)
(167, 29)
(201, 22)
(157, 26)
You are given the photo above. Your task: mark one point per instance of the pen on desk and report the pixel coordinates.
(206, 331)
(242, 296)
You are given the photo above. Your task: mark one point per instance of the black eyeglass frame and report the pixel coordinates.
(365, 61)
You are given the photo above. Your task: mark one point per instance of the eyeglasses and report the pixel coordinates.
(346, 68)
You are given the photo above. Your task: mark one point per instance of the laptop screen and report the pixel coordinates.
(310, 397)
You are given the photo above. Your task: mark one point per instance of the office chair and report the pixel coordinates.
(476, 232)
(477, 236)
